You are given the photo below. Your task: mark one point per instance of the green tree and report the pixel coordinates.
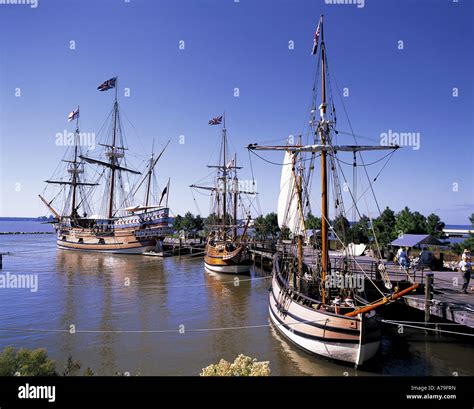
(435, 226)
(313, 222)
(469, 242)
(188, 221)
(285, 233)
(198, 223)
(384, 227)
(266, 226)
(259, 227)
(26, 362)
(178, 223)
(407, 222)
(359, 232)
(271, 223)
(341, 228)
(210, 220)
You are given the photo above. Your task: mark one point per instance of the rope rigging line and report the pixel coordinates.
(195, 201)
(178, 330)
(355, 139)
(358, 136)
(279, 164)
(351, 256)
(428, 329)
(366, 165)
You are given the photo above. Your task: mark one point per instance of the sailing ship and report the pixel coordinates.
(122, 225)
(226, 250)
(303, 305)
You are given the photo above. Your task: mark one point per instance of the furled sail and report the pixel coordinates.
(289, 212)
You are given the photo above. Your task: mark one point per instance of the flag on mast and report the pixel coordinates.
(73, 115)
(316, 37)
(165, 190)
(216, 121)
(106, 85)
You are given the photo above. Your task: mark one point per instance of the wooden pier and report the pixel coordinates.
(444, 302)
(178, 247)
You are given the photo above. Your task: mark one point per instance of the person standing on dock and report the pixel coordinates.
(466, 255)
(466, 268)
(403, 258)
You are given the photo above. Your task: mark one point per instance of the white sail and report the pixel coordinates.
(289, 212)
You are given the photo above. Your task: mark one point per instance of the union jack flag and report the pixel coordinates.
(316, 37)
(216, 121)
(106, 85)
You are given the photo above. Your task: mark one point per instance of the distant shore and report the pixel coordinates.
(44, 218)
(2, 233)
(25, 219)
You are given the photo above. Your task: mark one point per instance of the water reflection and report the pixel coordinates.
(89, 290)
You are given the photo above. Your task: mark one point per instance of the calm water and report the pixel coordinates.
(89, 291)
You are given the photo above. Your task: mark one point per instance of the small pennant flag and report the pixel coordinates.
(106, 85)
(316, 37)
(216, 121)
(73, 115)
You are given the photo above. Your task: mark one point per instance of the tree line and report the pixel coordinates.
(387, 227)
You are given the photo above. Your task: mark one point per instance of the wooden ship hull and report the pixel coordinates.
(135, 234)
(304, 322)
(218, 259)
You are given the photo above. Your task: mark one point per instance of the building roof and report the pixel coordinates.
(412, 240)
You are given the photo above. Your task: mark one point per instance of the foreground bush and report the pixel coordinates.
(26, 362)
(35, 362)
(242, 366)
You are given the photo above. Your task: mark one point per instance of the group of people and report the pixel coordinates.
(426, 260)
(339, 302)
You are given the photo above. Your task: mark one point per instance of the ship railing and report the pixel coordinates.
(295, 295)
(156, 231)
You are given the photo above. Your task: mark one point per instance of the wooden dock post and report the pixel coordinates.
(428, 294)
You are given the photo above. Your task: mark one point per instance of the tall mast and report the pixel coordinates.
(298, 180)
(235, 198)
(322, 146)
(112, 157)
(75, 169)
(324, 182)
(150, 173)
(224, 178)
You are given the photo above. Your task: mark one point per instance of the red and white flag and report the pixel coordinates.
(73, 115)
(316, 37)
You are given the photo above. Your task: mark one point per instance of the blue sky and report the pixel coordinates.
(241, 45)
